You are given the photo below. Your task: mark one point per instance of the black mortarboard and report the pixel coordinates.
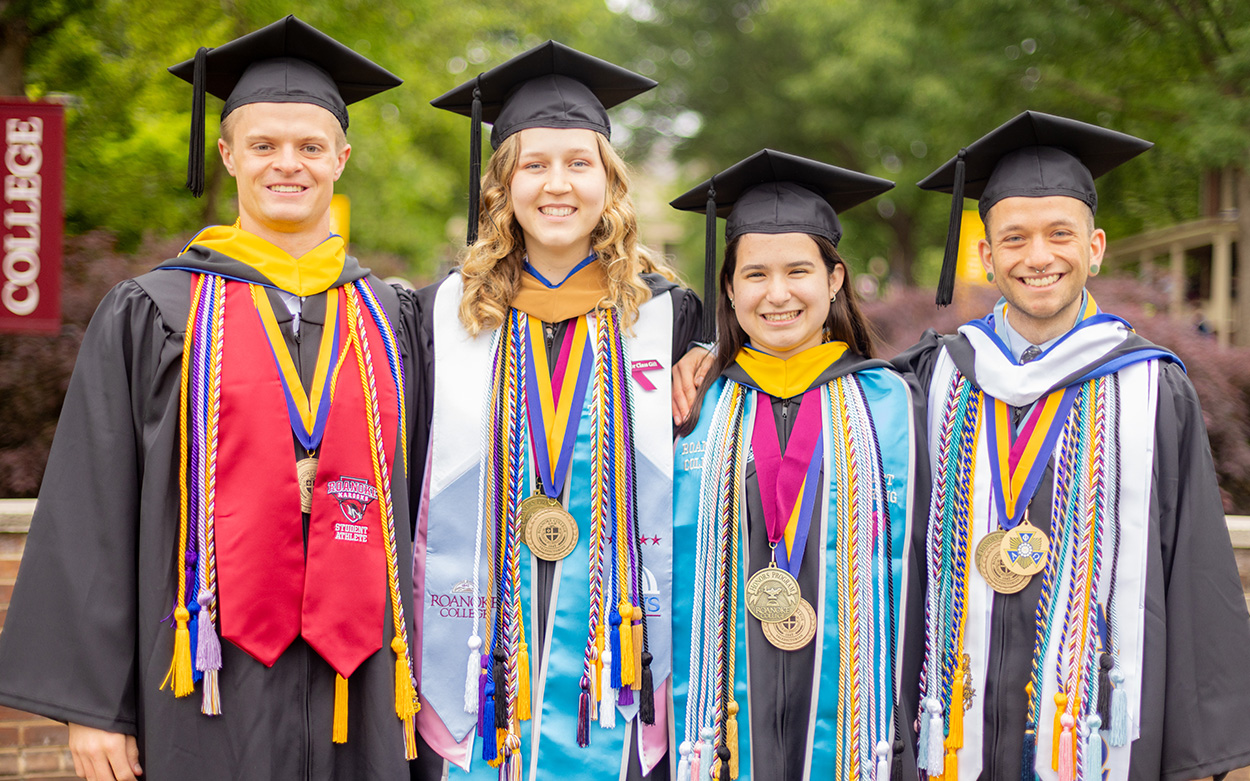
(551, 85)
(773, 192)
(1033, 155)
(288, 61)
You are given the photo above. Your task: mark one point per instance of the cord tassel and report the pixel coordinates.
(489, 739)
(615, 632)
(1061, 702)
(731, 738)
(607, 704)
(883, 761)
(1105, 663)
(683, 766)
(472, 682)
(936, 727)
(501, 693)
(483, 684)
(638, 634)
(946, 281)
(523, 683)
(950, 771)
(1119, 711)
(628, 672)
(583, 713)
(1067, 751)
(922, 742)
(340, 709)
(1028, 757)
(1093, 749)
(183, 684)
(405, 694)
(955, 737)
(646, 702)
(208, 656)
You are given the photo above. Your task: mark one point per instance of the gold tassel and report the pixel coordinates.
(625, 634)
(501, 736)
(951, 771)
(636, 622)
(405, 695)
(410, 739)
(1061, 703)
(731, 738)
(523, 686)
(184, 682)
(340, 709)
(955, 737)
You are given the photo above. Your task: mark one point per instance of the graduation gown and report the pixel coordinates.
(87, 639)
(782, 730)
(686, 323)
(1195, 680)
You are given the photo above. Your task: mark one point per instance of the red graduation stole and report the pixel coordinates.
(270, 591)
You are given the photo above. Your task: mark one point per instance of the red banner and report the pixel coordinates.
(32, 148)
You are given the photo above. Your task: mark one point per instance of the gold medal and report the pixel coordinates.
(772, 594)
(1025, 548)
(989, 559)
(548, 528)
(306, 474)
(792, 633)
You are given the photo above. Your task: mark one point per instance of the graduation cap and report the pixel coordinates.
(1033, 155)
(551, 85)
(773, 192)
(288, 61)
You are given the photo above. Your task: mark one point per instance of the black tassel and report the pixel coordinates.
(722, 753)
(195, 155)
(475, 165)
(946, 282)
(1029, 755)
(896, 768)
(1105, 663)
(646, 692)
(709, 267)
(501, 694)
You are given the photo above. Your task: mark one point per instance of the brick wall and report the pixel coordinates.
(31, 747)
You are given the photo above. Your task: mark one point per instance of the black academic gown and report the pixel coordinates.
(781, 681)
(1195, 711)
(687, 319)
(84, 640)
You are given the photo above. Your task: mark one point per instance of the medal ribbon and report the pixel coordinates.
(788, 482)
(1016, 467)
(555, 405)
(308, 414)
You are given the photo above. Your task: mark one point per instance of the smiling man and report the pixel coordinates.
(1084, 613)
(226, 499)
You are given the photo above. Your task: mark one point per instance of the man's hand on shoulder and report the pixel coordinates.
(688, 374)
(103, 756)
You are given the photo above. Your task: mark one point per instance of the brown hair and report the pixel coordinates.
(491, 268)
(844, 323)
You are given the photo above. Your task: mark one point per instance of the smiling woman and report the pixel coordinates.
(548, 421)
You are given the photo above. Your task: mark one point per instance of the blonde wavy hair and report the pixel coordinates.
(491, 268)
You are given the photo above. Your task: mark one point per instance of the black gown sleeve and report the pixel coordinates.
(918, 360)
(687, 320)
(69, 646)
(416, 333)
(1206, 729)
(913, 629)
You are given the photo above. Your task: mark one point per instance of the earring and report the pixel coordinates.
(1093, 269)
(732, 305)
(834, 298)
(989, 276)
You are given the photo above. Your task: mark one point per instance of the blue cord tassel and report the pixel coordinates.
(1093, 749)
(922, 756)
(1028, 757)
(1119, 711)
(615, 620)
(489, 749)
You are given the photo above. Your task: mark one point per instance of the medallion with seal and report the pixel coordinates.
(1024, 549)
(990, 564)
(772, 594)
(306, 475)
(794, 632)
(548, 528)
